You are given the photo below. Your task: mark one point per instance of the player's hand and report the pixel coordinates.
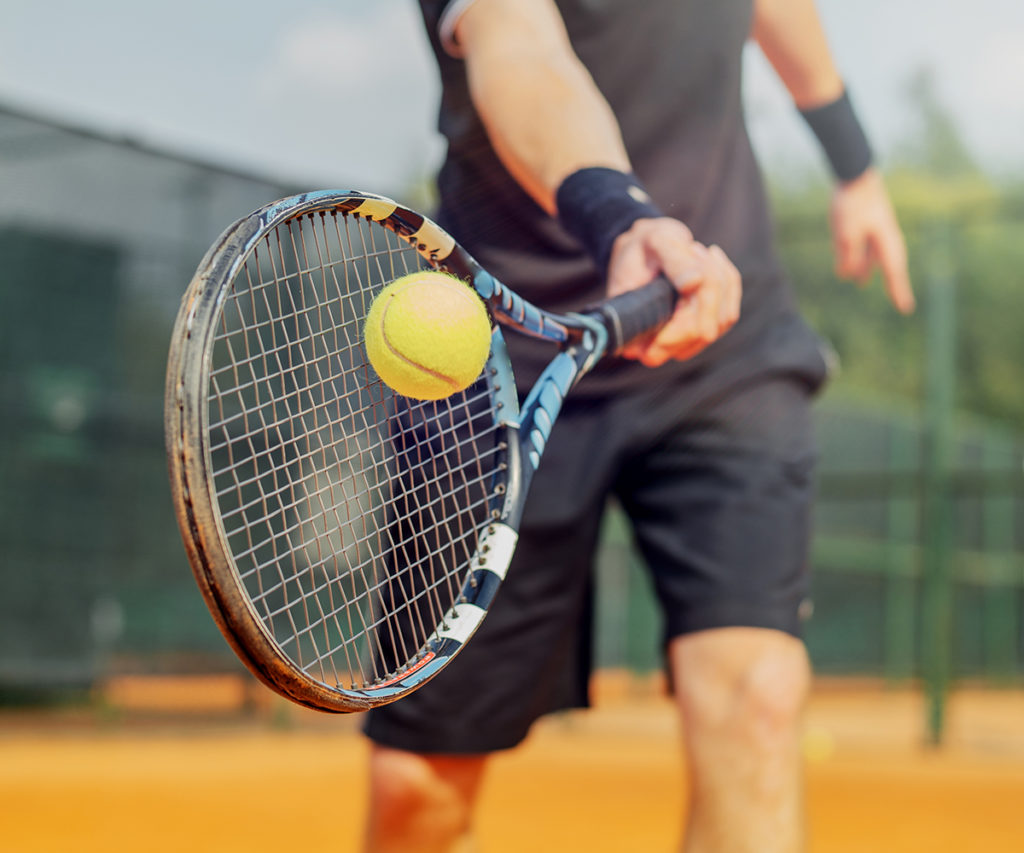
(708, 283)
(866, 236)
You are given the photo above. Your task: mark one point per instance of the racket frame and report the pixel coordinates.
(521, 435)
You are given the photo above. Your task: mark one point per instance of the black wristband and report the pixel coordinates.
(596, 205)
(841, 136)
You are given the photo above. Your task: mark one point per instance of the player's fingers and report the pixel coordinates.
(708, 312)
(708, 284)
(712, 302)
(683, 262)
(691, 328)
(731, 290)
(716, 294)
(648, 248)
(706, 296)
(636, 348)
(891, 252)
(629, 268)
(683, 330)
(655, 356)
(851, 251)
(655, 347)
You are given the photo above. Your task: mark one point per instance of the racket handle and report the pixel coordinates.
(630, 314)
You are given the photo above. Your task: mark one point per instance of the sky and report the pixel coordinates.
(343, 93)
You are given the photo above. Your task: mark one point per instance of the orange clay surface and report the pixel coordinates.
(217, 764)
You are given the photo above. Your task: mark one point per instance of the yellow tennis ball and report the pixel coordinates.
(427, 335)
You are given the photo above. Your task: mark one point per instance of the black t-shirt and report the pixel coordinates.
(671, 72)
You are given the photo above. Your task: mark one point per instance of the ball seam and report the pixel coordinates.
(402, 357)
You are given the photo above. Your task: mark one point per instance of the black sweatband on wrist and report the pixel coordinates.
(596, 205)
(841, 136)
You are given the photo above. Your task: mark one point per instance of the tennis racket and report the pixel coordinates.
(348, 541)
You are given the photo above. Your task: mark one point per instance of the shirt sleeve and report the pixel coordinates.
(442, 16)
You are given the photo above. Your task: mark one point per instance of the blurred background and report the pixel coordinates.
(132, 133)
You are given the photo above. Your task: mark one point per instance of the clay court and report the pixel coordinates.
(215, 765)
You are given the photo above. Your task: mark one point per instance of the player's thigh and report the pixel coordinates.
(531, 654)
(721, 507)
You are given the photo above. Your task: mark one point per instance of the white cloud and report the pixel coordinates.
(997, 75)
(366, 53)
(987, 97)
(354, 95)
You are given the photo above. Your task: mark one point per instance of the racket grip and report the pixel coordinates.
(630, 314)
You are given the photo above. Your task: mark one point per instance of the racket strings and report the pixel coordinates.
(247, 470)
(403, 544)
(352, 514)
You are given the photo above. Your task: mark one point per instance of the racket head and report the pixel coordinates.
(346, 540)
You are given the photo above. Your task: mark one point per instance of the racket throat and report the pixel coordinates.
(544, 402)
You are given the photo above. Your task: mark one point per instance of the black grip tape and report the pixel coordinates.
(630, 314)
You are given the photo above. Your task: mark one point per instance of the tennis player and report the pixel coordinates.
(591, 145)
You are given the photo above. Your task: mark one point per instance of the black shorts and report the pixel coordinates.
(715, 473)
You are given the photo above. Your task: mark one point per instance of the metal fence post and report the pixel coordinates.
(900, 581)
(937, 462)
(1001, 617)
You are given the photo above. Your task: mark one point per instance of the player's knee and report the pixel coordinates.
(411, 800)
(770, 701)
(758, 701)
(404, 788)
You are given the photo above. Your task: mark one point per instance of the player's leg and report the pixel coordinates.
(720, 496)
(530, 656)
(741, 693)
(421, 803)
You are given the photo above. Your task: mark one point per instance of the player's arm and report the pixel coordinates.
(865, 231)
(544, 115)
(555, 133)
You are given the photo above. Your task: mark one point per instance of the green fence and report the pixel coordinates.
(98, 238)
(917, 558)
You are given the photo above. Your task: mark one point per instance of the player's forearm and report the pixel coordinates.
(790, 34)
(544, 115)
